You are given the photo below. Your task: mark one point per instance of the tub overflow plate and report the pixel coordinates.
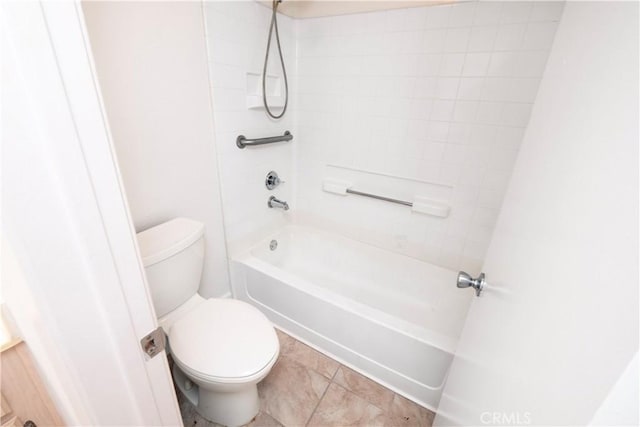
(273, 245)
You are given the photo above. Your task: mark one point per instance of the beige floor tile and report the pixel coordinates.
(364, 387)
(340, 407)
(404, 412)
(286, 342)
(291, 392)
(190, 418)
(313, 359)
(264, 420)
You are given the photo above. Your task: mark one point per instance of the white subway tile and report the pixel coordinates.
(433, 40)
(509, 138)
(456, 232)
(485, 217)
(415, 18)
(447, 87)
(229, 53)
(503, 64)
(510, 37)
(465, 111)
(539, 35)
(480, 234)
(373, 22)
(456, 40)
(420, 109)
(438, 131)
(502, 160)
(348, 24)
(396, 19)
(530, 64)
(516, 114)
(449, 173)
(470, 88)
(476, 64)
(489, 112)
(515, 12)
(228, 76)
(425, 87)
(438, 16)
(442, 111)
(433, 151)
(488, 12)
(429, 64)
(521, 90)
(462, 14)
(417, 129)
(490, 198)
(459, 133)
(482, 135)
(229, 99)
(452, 64)
(496, 180)
(464, 195)
(496, 89)
(482, 39)
(475, 250)
(547, 11)
(396, 107)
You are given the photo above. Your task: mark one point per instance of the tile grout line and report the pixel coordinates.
(323, 394)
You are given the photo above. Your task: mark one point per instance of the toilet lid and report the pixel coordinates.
(224, 338)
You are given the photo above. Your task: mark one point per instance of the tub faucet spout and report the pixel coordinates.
(275, 203)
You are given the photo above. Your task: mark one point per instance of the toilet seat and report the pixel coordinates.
(224, 340)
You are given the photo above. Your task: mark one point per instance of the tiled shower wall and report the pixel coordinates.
(439, 95)
(236, 41)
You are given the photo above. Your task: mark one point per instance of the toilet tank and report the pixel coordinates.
(173, 255)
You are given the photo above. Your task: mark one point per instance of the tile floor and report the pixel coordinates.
(307, 388)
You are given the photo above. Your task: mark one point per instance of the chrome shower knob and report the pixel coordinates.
(272, 180)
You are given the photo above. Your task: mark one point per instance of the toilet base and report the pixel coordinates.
(231, 406)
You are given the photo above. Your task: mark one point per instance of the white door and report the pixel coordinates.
(71, 273)
(558, 323)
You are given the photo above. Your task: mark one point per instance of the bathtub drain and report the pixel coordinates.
(273, 245)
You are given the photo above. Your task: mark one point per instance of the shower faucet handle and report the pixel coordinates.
(272, 180)
(466, 281)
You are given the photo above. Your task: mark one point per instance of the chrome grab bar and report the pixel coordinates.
(373, 196)
(242, 141)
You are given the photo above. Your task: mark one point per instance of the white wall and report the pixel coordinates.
(558, 324)
(152, 68)
(237, 39)
(436, 94)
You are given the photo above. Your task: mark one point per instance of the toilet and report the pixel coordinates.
(221, 347)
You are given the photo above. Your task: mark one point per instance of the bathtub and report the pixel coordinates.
(393, 318)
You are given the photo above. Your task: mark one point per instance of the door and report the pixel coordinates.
(71, 273)
(558, 323)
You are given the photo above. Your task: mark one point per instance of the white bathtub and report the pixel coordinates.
(394, 318)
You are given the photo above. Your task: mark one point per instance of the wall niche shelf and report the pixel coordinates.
(275, 96)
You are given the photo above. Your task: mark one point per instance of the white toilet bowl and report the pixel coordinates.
(222, 348)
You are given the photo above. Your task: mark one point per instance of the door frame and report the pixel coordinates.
(93, 381)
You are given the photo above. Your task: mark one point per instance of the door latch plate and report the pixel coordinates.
(154, 342)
